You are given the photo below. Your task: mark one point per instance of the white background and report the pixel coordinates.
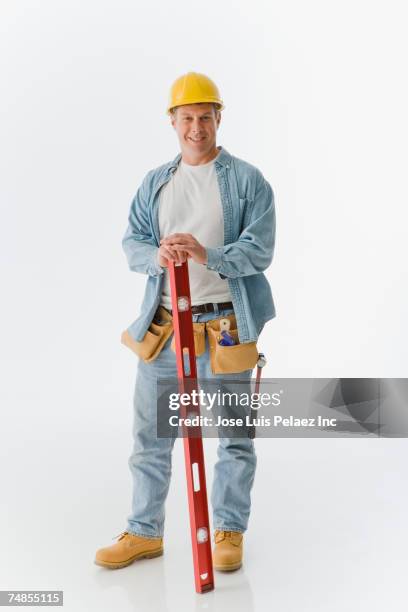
(316, 97)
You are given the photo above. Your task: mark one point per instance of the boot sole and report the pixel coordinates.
(228, 568)
(119, 564)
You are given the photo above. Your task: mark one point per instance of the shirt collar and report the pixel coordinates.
(223, 159)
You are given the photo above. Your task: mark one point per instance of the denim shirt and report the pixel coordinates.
(249, 238)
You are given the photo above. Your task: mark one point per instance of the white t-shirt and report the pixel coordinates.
(190, 202)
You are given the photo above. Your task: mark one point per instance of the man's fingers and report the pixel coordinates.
(167, 254)
(181, 256)
(172, 241)
(170, 253)
(171, 238)
(181, 247)
(189, 252)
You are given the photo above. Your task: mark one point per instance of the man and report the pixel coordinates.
(217, 212)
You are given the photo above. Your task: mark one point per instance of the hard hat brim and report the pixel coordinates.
(219, 103)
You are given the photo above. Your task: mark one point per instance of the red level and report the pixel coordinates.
(193, 443)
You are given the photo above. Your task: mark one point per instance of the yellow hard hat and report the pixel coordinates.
(192, 88)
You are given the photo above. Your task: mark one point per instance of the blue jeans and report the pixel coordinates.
(150, 461)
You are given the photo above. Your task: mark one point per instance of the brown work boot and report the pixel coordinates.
(227, 553)
(127, 549)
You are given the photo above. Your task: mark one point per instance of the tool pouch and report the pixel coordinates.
(199, 339)
(155, 338)
(229, 359)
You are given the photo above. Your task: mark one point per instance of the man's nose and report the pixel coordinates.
(196, 126)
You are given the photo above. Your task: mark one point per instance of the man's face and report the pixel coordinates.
(196, 126)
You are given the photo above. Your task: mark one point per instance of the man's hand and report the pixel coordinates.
(167, 252)
(186, 243)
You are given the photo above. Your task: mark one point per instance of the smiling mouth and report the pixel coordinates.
(197, 139)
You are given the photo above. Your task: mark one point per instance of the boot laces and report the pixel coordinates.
(223, 535)
(121, 535)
